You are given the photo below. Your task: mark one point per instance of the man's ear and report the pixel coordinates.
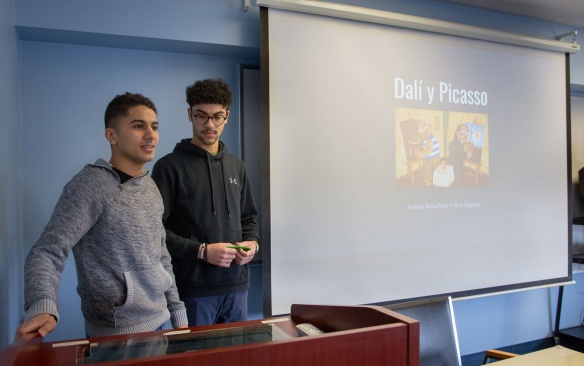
(110, 135)
(189, 115)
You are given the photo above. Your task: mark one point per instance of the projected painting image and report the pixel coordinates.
(441, 149)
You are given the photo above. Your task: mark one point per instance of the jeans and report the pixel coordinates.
(208, 310)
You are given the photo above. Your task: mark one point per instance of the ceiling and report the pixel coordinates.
(567, 12)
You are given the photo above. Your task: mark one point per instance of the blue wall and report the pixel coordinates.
(11, 178)
(70, 58)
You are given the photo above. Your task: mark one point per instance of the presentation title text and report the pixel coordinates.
(444, 92)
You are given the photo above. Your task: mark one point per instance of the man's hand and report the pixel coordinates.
(41, 324)
(242, 257)
(218, 254)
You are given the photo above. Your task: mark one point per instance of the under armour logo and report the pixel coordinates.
(233, 181)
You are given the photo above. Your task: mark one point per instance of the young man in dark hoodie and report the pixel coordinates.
(208, 209)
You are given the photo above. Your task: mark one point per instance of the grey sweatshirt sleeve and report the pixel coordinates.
(76, 211)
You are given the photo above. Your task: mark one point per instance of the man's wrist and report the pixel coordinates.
(257, 246)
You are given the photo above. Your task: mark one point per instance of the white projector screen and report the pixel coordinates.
(352, 217)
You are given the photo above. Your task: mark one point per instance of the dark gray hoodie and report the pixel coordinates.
(207, 199)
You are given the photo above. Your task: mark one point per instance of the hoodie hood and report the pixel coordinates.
(185, 145)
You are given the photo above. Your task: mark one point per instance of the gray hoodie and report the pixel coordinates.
(125, 277)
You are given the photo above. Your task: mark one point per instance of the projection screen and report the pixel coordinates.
(408, 164)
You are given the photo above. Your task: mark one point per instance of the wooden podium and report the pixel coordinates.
(367, 335)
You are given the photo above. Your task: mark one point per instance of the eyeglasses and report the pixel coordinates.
(202, 119)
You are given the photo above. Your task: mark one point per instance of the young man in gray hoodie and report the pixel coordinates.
(110, 215)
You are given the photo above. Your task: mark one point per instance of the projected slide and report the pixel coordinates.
(406, 164)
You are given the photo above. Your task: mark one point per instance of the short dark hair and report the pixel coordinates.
(209, 91)
(121, 104)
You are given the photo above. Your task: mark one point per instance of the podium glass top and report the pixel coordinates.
(176, 343)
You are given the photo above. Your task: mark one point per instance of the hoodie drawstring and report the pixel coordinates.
(212, 185)
(225, 187)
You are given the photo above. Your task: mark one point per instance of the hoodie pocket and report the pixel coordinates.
(145, 297)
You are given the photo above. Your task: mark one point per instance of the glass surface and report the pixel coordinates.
(177, 343)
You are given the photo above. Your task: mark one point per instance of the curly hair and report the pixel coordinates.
(209, 91)
(121, 104)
